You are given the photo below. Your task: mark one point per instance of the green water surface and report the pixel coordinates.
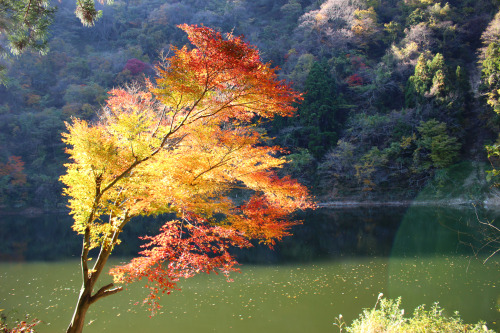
(426, 261)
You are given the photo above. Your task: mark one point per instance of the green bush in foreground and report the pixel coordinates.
(387, 317)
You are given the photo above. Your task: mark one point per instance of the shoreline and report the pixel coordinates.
(459, 203)
(455, 203)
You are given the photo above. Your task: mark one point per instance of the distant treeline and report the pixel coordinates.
(393, 89)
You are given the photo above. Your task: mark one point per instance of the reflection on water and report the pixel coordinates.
(338, 262)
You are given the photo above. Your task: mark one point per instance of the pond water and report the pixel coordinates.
(337, 263)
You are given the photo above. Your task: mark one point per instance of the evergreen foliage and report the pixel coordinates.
(491, 74)
(435, 146)
(25, 24)
(319, 113)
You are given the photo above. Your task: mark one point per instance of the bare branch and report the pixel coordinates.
(104, 292)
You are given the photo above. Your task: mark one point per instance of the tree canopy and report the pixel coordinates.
(188, 145)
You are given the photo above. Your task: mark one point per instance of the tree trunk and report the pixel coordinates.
(86, 299)
(78, 320)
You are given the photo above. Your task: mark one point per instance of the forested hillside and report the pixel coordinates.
(398, 94)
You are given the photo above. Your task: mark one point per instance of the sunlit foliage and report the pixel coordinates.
(183, 146)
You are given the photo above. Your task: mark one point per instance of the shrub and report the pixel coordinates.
(387, 317)
(21, 326)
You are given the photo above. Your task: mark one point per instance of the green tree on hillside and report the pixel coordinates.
(435, 148)
(491, 75)
(430, 80)
(320, 114)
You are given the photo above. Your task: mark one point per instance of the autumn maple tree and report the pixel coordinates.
(182, 145)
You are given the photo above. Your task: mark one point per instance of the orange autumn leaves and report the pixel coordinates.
(223, 76)
(182, 249)
(14, 169)
(185, 146)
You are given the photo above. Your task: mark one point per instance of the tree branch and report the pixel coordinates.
(85, 255)
(27, 11)
(104, 292)
(222, 161)
(162, 115)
